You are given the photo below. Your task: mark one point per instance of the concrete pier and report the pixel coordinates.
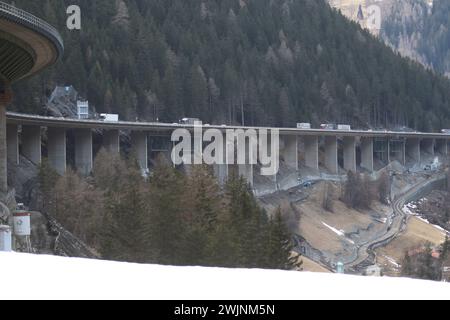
(3, 152)
(111, 141)
(83, 151)
(413, 149)
(12, 138)
(139, 147)
(221, 171)
(290, 151)
(57, 152)
(246, 171)
(442, 146)
(31, 143)
(397, 150)
(311, 144)
(331, 154)
(367, 153)
(350, 153)
(381, 150)
(427, 146)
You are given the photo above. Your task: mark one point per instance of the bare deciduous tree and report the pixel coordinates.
(327, 198)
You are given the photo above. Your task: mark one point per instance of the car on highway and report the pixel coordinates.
(189, 121)
(403, 129)
(328, 126)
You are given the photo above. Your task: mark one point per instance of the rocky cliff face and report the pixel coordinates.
(370, 14)
(421, 31)
(404, 26)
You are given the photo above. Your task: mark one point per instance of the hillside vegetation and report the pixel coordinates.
(266, 62)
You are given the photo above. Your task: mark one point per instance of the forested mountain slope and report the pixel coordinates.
(267, 62)
(421, 32)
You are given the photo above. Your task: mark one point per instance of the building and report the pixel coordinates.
(83, 109)
(373, 271)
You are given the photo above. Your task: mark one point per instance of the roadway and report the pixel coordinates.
(44, 121)
(398, 222)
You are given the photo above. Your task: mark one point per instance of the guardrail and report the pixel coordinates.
(20, 15)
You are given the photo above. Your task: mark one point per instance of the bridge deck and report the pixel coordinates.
(25, 119)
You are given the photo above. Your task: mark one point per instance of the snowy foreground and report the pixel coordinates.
(48, 277)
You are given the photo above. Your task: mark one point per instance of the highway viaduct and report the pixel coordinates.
(28, 45)
(341, 150)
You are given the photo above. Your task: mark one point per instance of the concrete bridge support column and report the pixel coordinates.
(381, 150)
(139, 147)
(331, 154)
(31, 143)
(57, 149)
(3, 152)
(442, 146)
(195, 155)
(5, 99)
(350, 153)
(413, 149)
(221, 171)
(111, 141)
(83, 151)
(246, 170)
(397, 150)
(427, 146)
(272, 178)
(12, 136)
(367, 153)
(311, 152)
(290, 151)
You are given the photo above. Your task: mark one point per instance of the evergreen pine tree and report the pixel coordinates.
(281, 253)
(168, 216)
(47, 179)
(124, 237)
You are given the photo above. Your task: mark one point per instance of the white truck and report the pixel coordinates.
(344, 127)
(109, 117)
(304, 125)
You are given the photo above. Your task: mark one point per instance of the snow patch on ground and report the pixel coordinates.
(407, 210)
(391, 261)
(410, 209)
(434, 225)
(51, 277)
(340, 233)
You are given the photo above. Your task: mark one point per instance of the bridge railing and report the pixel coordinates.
(23, 16)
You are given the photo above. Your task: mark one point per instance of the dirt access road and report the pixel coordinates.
(397, 224)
